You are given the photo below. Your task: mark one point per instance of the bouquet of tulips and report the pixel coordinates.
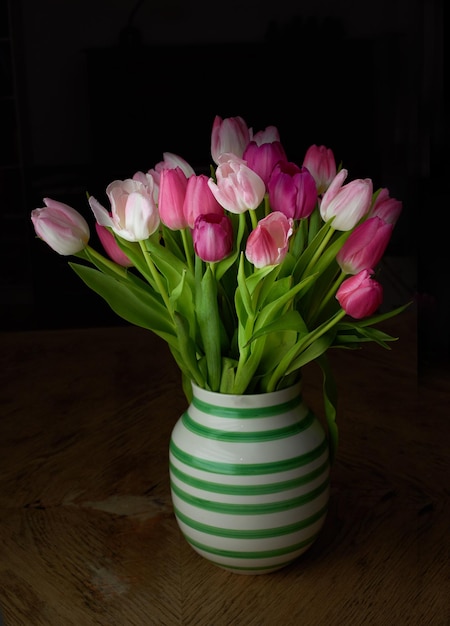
(248, 273)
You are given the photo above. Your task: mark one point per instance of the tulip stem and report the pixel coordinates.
(324, 301)
(157, 278)
(91, 252)
(187, 252)
(253, 218)
(320, 249)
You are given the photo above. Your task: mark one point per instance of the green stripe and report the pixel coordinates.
(250, 509)
(247, 490)
(248, 469)
(257, 533)
(247, 437)
(245, 412)
(266, 554)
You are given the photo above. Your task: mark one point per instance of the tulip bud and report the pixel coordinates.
(292, 190)
(360, 295)
(365, 246)
(262, 158)
(199, 199)
(111, 248)
(61, 227)
(321, 163)
(389, 209)
(238, 188)
(172, 192)
(134, 215)
(347, 204)
(229, 135)
(213, 237)
(269, 242)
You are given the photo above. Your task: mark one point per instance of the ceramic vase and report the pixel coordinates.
(249, 478)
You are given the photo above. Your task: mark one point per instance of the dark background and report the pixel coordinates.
(95, 90)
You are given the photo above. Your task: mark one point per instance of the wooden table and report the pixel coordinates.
(87, 532)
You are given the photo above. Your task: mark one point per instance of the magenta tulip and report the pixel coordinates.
(111, 247)
(347, 204)
(389, 209)
(238, 188)
(365, 246)
(321, 163)
(360, 295)
(172, 192)
(269, 242)
(212, 236)
(292, 190)
(262, 158)
(229, 135)
(61, 227)
(199, 199)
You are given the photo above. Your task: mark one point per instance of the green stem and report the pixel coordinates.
(325, 300)
(254, 218)
(319, 250)
(118, 269)
(187, 249)
(304, 344)
(157, 278)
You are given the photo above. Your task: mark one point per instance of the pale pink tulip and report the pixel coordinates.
(347, 204)
(229, 135)
(238, 188)
(134, 215)
(269, 242)
(61, 227)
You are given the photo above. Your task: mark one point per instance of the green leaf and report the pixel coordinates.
(133, 304)
(209, 322)
(330, 401)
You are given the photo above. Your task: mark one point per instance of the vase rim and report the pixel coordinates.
(287, 392)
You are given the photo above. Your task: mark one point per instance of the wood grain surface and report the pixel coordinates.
(87, 532)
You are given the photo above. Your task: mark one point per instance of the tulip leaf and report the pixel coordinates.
(330, 401)
(208, 317)
(133, 304)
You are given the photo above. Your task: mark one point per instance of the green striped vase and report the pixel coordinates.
(249, 478)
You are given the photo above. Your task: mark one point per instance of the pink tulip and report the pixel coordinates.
(268, 135)
(172, 192)
(347, 204)
(321, 163)
(149, 182)
(292, 190)
(212, 236)
(360, 295)
(199, 199)
(262, 158)
(238, 188)
(269, 242)
(134, 215)
(389, 209)
(61, 227)
(229, 135)
(111, 248)
(365, 246)
(170, 161)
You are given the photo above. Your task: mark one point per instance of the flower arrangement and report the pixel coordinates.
(248, 273)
